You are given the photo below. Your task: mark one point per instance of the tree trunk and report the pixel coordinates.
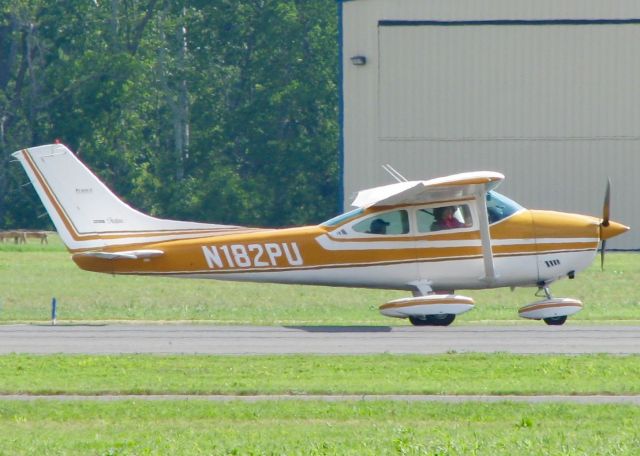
(178, 102)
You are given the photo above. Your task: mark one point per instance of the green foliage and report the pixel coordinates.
(217, 111)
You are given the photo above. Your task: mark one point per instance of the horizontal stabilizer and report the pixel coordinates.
(128, 255)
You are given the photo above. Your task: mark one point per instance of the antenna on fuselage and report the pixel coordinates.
(394, 173)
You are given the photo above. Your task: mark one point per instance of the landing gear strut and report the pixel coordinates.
(547, 292)
(551, 321)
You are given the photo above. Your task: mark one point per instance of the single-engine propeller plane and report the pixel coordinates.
(427, 237)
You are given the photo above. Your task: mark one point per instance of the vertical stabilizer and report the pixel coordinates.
(86, 213)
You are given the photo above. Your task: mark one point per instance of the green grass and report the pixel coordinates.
(31, 275)
(54, 244)
(497, 374)
(316, 428)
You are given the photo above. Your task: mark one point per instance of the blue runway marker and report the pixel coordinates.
(53, 311)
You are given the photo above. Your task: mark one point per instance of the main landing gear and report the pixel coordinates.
(553, 311)
(432, 320)
(428, 310)
(434, 309)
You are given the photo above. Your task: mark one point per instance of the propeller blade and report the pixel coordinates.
(606, 207)
(606, 211)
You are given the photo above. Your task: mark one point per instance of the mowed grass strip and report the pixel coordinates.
(308, 428)
(498, 374)
(31, 275)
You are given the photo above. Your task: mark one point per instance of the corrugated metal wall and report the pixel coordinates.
(546, 92)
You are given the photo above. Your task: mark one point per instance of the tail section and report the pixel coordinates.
(89, 216)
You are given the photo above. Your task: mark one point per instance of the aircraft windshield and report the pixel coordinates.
(500, 207)
(335, 221)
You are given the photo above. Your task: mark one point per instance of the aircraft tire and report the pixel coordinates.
(555, 321)
(432, 320)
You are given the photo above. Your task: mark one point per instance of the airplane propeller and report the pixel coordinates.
(606, 210)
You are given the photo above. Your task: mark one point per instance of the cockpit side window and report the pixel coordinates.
(388, 223)
(443, 218)
(500, 207)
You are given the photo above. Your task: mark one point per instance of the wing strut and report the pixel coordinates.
(394, 173)
(485, 235)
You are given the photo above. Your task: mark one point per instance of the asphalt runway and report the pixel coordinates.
(338, 340)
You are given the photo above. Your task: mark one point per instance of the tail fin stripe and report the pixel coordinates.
(66, 220)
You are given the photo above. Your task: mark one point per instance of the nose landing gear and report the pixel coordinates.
(553, 311)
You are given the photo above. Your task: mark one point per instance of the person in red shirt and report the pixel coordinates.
(444, 219)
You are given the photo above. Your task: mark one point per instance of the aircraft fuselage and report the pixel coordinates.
(528, 247)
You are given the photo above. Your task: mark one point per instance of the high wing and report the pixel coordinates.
(474, 184)
(440, 189)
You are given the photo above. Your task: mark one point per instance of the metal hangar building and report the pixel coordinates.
(546, 92)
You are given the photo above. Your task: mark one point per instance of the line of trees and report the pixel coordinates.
(212, 110)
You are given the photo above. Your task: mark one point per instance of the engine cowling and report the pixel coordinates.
(434, 304)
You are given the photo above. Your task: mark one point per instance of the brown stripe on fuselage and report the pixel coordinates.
(189, 262)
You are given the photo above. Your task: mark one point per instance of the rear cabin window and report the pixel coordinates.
(431, 219)
(388, 223)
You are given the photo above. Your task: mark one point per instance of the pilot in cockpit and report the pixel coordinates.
(445, 219)
(378, 226)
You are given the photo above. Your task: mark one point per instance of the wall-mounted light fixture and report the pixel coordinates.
(359, 60)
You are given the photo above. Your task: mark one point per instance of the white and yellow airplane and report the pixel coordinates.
(428, 237)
